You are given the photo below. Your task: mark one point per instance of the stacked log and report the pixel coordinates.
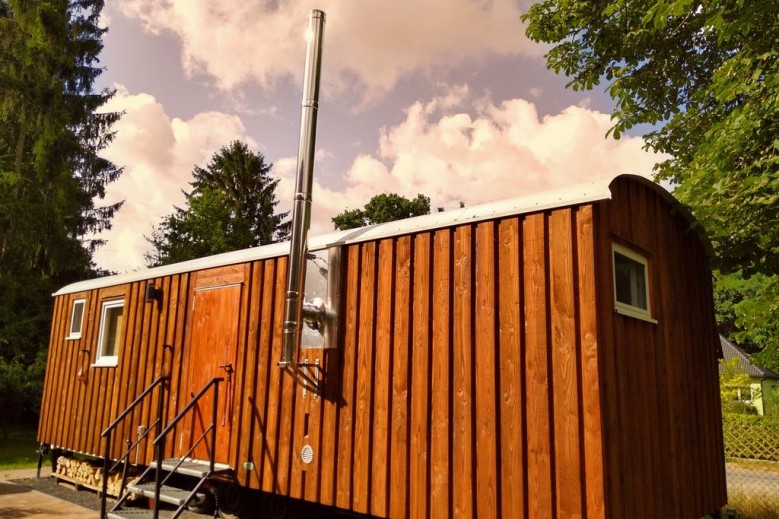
(87, 474)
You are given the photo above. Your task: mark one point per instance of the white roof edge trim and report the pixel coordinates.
(540, 201)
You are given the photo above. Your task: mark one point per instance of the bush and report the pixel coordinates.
(771, 402)
(22, 387)
(750, 436)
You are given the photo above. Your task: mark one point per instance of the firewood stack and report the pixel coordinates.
(87, 474)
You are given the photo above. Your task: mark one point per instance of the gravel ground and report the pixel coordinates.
(86, 498)
(47, 485)
(89, 499)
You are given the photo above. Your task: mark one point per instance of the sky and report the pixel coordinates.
(448, 99)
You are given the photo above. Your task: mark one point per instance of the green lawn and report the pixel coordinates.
(18, 450)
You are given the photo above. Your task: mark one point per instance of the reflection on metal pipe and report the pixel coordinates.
(301, 211)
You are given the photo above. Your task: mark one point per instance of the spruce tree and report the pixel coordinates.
(51, 174)
(231, 207)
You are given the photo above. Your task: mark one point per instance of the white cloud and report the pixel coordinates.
(158, 153)
(452, 148)
(477, 151)
(372, 44)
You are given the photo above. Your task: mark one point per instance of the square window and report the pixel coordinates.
(631, 283)
(76, 319)
(110, 336)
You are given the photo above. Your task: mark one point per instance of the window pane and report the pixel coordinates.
(77, 317)
(630, 281)
(113, 331)
(110, 336)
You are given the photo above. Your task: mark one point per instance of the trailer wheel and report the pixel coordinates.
(277, 507)
(202, 503)
(230, 500)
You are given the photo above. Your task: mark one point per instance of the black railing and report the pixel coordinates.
(125, 458)
(159, 445)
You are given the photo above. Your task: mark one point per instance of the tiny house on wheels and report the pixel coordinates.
(548, 356)
(551, 356)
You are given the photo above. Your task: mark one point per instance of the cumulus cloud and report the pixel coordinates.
(455, 148)
(371, 44)
(158, 154)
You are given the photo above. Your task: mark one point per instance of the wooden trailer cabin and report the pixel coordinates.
(550, 356)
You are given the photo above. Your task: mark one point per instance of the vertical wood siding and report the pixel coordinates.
(79, 399)
(481, 371)
(467, 383)
(660, 390)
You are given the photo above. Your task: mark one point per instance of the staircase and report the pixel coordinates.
(176, 481)
(193, 472)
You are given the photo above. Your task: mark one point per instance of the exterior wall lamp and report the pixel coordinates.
(152, 294)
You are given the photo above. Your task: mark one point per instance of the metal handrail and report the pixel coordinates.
(134, 403)
(186, 409)
(159, 441)
(130, 447)
(109, 430)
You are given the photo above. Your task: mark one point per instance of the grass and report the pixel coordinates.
(756, 498)
(754, 505)
(18, 450)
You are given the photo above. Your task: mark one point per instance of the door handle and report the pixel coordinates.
(228, 368)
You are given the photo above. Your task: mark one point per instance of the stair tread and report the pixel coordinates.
(140, 513)
(135, 513)
(191, 467)
(173, 495)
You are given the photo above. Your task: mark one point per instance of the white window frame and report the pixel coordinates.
(71, 334)
(645, 314)
(107, 360)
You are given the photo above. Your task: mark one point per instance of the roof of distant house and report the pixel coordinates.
(730, 350)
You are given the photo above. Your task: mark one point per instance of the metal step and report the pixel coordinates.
(140, 513)
(136, 513)
(172, 495)
(190, 467)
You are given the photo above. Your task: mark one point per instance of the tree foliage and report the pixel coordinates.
(231, 207)
(746, 312)
(734, 387)
(51, 174)
(21, 384)
(706, 76)
(52, 133)
(381, 209)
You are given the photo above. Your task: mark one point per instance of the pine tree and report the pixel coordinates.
(51, 174)
(50, 169)
(231, 207)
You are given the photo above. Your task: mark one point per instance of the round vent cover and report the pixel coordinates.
(307, 454)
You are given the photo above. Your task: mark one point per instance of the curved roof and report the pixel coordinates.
(562, 197)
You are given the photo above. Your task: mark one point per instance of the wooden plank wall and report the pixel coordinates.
(80, 400)
(661, 410)
(481, 372)
(466, 384)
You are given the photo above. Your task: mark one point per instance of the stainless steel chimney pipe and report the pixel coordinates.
(301, 212)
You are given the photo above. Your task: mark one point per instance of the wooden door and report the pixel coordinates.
(212, 353)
